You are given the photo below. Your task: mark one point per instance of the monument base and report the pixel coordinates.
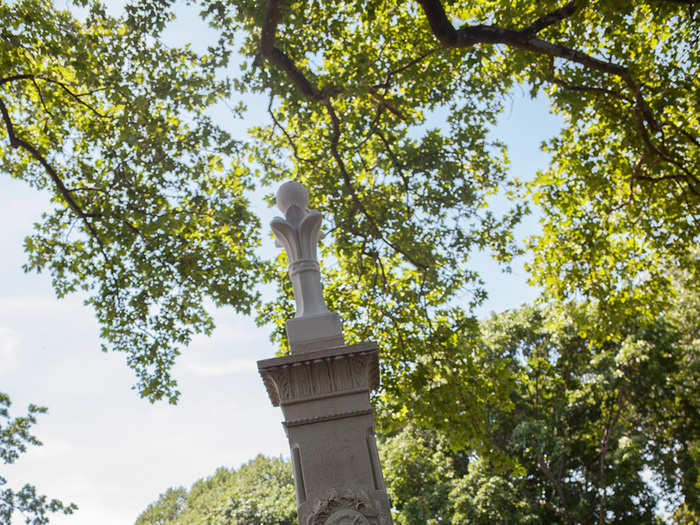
(324, 395)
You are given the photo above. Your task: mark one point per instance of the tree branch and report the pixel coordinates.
(17, 142)
(62, 85)
(584, 89)
(559, 489)
(468, 36)
(554, 17)
(14, 78)
(335, 139)
(277, 124)
(268, 50)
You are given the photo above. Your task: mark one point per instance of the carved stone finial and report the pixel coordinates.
(291, 193)
(298, 233)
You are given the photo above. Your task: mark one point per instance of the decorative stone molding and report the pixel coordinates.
(329, 417)
(299, 233)
(347, 517)
(324, 373)
(324, 388)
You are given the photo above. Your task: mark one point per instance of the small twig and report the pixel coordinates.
(286, 134)
(335, 122)
(406, 66)
(62, 85)
(382, 100)
(41, 98)
(554, 17)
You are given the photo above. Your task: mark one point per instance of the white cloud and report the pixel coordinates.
(9, 349)
(221, 368)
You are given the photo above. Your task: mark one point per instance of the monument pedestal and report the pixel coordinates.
(324, 395)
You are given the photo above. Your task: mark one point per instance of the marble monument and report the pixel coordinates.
(323, 389)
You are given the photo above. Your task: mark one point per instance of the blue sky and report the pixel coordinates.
(110, 451)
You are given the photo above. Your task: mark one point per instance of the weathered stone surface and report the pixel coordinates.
(329, 422)
(331, 372)
(314, 332)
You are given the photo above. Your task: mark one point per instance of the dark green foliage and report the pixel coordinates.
(561, 428)
(548, 427)
(385, 111)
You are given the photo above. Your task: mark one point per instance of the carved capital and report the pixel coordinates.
(293, 379)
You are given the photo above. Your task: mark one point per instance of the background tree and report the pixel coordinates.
(261, 492)
(420, 471)
(385, 112)
(547, 427)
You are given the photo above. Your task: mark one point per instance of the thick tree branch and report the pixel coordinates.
(17, 142)
(14, 78)
(469, 36)
(268, 50)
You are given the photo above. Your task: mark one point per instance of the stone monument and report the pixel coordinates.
(323, 388)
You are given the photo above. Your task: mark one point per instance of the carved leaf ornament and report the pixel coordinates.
(347, 517)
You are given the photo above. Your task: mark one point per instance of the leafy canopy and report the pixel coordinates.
(385, 112)
(148, 212)
(545, 427)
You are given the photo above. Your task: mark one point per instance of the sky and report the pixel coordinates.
(113, 453)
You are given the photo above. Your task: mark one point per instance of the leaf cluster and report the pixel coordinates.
(15, 436)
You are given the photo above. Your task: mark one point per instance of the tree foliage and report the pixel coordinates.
(385, 112)
(149, 215)
(565, 429)
(15, 436)
(548, 427)
(261, 492)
